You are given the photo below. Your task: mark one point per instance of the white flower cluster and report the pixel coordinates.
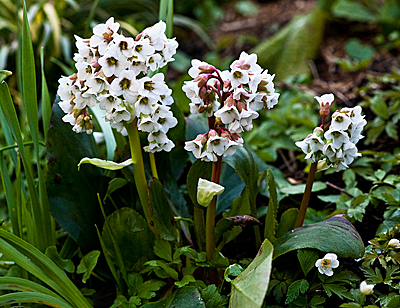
(111, 71)
(327, 263)
(233, 97)
(335, 147)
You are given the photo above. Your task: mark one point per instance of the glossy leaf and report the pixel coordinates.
(336, 235)
(287, 222)
(250, 287)
(188, 296)
(132, 235)
(72, 193)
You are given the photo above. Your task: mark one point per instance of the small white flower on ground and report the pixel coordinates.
(394, 242)
(365, 288)
(325, 99)
(327, 263)
(206, 191)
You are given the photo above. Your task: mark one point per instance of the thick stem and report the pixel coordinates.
(138, 166)
(210, 218)
(153, 165)
(306, 196)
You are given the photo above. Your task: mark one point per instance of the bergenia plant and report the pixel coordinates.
(230, 99)
(112, 72)
(117, 73)
(331, 145)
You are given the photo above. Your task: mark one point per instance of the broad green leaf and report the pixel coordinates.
(105, 164)
(353, 10)
(270, 220)
(4, 74)
(53, 254)
(288, 221)
(72, 193)
(233, 188)
(186, 279)
(250, 287)
(87, 264)
(288, 52)
(336, 235)
(163, 249)
(307, 258)
(299, 188)
(161, 218)
(132, 234)
(148, 288)
(114, 185)
(33, 297)
(379, 107)
(188, 297)
(355, 49)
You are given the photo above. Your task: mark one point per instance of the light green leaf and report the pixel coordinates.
(67, 265)
(33, 297)
(105, 164)
(250, 287)
(4, 74)
(353, 10)
(336, 235)
(87, 264)
(232, 270)
(295, 288)
(186, 279)
(148, 288)
(163, 249)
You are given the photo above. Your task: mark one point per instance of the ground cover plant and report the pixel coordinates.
(136, 173)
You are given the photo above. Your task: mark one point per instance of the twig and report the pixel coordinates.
(340, 189)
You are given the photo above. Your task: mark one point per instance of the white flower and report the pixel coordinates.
(394, 243)
(196, 68)
(238, 76)
(153, 87)
(206, 191)
(216, 143)
(325, 99)
(327, 263)
(124, 44)
(125, 85)
(340, 121)
(365, 288)
(196, 146)
(247, 62)
(229, 112)
(142, 49)
(108, 101)
(104, 34)
(112, 63)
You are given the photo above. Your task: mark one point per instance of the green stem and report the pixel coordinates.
(138, 166)
(153, 165)
(306, 196)
(211, 209)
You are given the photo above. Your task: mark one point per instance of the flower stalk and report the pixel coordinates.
(211, 209)
(153, 165)
(138, 166)
(306, 196)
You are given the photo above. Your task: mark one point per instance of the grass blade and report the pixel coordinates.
(20, 284)
(41, 266)
(46, 103)
(33, 297)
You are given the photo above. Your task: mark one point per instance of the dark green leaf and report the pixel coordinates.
(163, 249)
(336, 235)
(199, 169)
(307, 258)
(132, 235)
(148, 288)
(161, 218)
(288, 221)
(295, 288)
(67, 265)
(187, 297)
(186, 279)
(232, 270)
(87, 264)
(72, 193)
(353, 10)
(250, 287)
(212, 298)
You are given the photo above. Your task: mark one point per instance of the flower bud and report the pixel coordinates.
(227, 85)
(319, 132)
(207, 69)
(241, 106)
(207, 190)
(365, 288)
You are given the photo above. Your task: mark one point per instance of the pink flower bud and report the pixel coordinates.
(241, 106)
(207, 69)
(212, 133)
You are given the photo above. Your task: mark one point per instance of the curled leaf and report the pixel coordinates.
(105, 164)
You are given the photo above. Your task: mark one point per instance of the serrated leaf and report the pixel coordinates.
(186, 279)
(307, 258)
(105, 164)
(336, 235)
(161, 218)
(212, 298)
(250, 287)
(87, 264)
(148, 288)
(295, 288)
